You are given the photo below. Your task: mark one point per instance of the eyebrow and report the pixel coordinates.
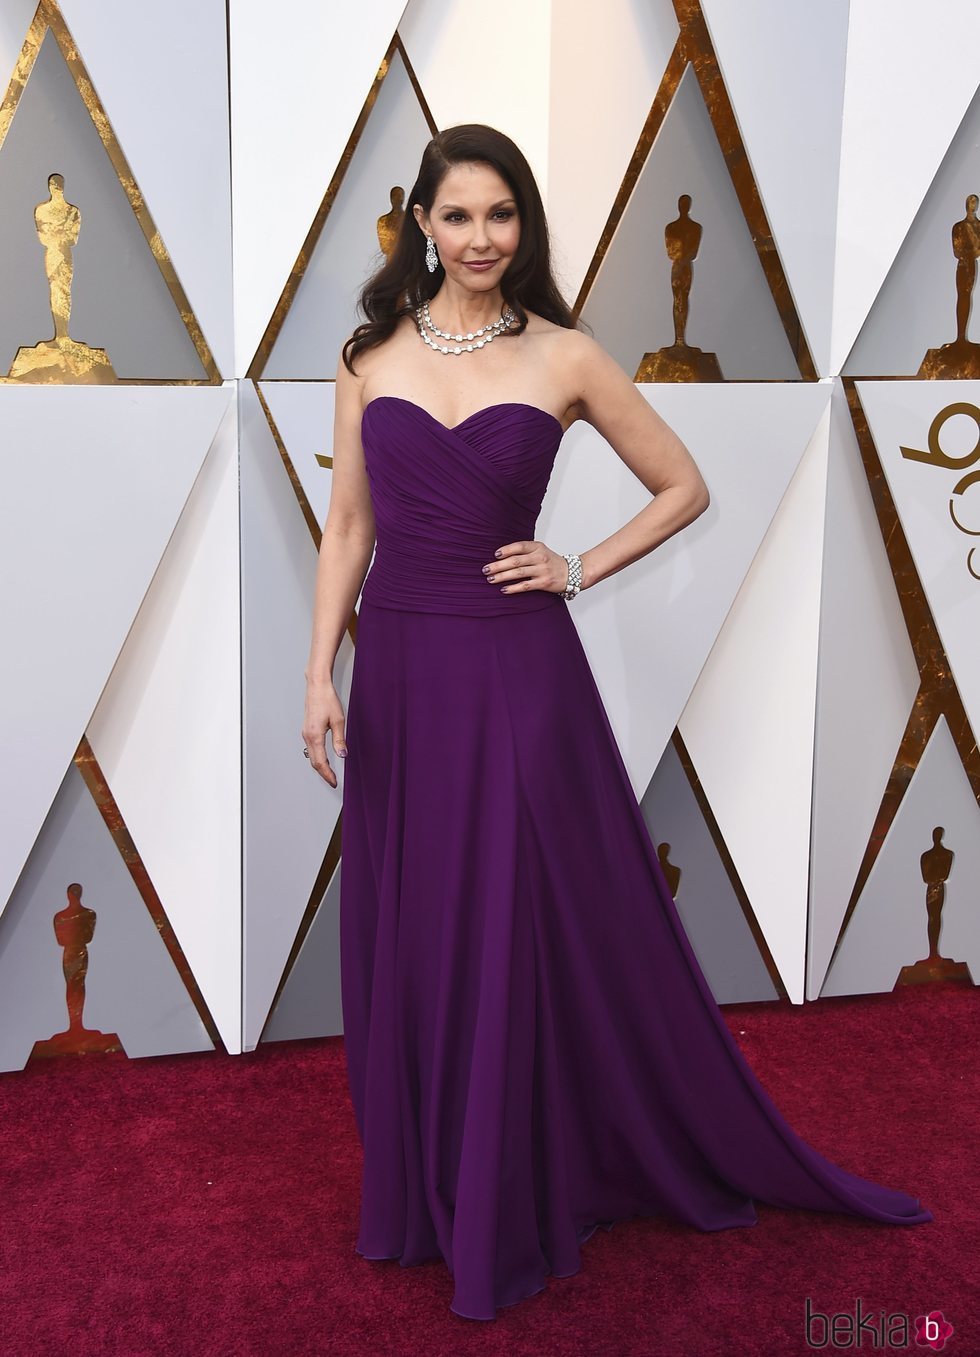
(456, 208)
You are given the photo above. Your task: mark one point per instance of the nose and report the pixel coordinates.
(481, 239)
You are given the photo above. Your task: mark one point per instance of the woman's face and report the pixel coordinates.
(473, 219)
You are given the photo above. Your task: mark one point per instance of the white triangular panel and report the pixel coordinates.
(899, 415)
(119, 296)
(507, 86)
(592, 138)
(915, 311)
(648, 629)
(867, 679)
(788, 96)
(303, 414)
(300, 75)
(732, 313)
(15, 20)
(95, 480)
(290, 812)
(310, 1004)
(706, 897)
(324, 310)
(888, 929)
(138, 58)
(167, 733)
(132, 987)
(911, 73)
(748, 725)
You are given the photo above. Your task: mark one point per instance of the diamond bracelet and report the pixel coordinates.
(574, 575)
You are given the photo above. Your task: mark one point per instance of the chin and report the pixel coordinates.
(481, 280)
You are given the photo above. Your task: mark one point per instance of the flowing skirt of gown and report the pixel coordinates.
(532, 1047)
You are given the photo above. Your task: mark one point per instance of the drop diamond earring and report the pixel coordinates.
(431, 258)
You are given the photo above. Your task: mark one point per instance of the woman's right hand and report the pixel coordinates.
(323, 711)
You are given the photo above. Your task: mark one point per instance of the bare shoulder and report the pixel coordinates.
(588, 375)
(559, 343)
(357, 385)
(569, 344)
(580, 351)
(605, 394)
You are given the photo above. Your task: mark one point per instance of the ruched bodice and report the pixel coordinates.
(445, 499)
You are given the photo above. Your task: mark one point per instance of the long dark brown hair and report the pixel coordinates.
(403, 282)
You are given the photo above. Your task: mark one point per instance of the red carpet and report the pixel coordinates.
(207, 1205)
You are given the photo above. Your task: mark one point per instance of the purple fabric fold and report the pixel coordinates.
(443, 503)
(533, 1049)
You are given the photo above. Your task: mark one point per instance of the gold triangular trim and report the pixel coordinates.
(49, 17)
(937, 695)
(95, 780)
(694, 48)
(298, 271)
(728, 862)
(328, 866)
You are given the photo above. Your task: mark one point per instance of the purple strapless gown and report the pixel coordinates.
(532, 1047)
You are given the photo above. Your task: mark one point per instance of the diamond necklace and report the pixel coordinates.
(497, 324)
(476, 340)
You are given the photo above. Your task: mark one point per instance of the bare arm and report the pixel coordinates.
(610, 401)
(345, 554)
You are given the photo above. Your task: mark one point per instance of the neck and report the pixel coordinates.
(455, 308)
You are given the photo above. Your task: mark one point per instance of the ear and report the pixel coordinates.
(421, 217)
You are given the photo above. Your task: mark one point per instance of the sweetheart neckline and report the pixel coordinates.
(453, 428)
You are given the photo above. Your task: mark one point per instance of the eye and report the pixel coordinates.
(505, 212)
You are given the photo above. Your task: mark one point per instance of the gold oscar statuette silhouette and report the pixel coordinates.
(391, 223)
(670, 870)
(961, 358)
(679, 362)
(74, 928)
(61, 359)
(936, 864)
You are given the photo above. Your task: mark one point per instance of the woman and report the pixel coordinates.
(532, 1047)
